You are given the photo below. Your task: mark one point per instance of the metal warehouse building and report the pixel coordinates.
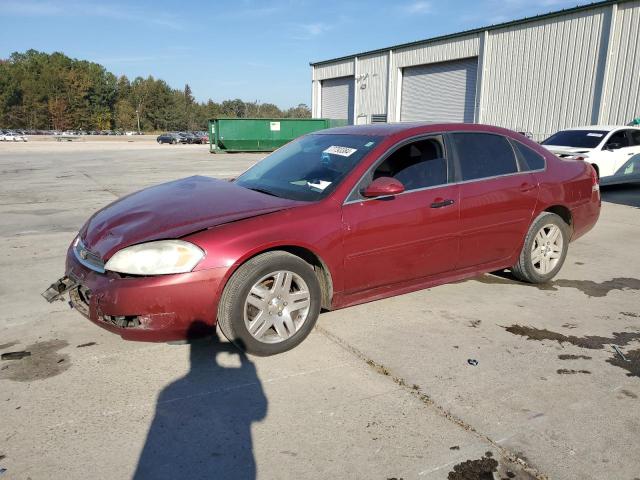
(573, 67)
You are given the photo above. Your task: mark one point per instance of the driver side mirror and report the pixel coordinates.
(613, 146)
(382, 187)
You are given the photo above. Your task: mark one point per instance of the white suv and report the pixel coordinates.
(607, 148)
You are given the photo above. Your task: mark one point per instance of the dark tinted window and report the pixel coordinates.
(534, 160)
(417, 165)
(618, 140)
(635, 137)
(576, 138)
(632, 167)
(484, 155)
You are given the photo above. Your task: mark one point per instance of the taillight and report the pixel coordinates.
(595, 186)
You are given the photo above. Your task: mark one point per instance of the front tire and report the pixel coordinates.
(270, 304)
(544, 250)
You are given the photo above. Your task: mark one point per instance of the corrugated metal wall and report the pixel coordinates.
(442, 51)
(337, 98)
(439, 92)
(372, 86)
(621, 101)
(343, 68)
(540, 77)
(572, 69)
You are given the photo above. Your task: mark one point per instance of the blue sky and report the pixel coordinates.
(249, 49)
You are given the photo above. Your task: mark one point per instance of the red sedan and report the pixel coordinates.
(332, 219)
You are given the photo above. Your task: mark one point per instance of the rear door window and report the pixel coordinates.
(483, 155)
(533, 160)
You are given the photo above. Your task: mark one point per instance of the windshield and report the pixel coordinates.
(632, 167)
(308, 168)
(576, 138)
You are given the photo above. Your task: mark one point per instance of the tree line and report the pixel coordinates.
(44, 91)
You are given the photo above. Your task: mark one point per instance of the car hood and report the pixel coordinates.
(173, 210)
(566, 151)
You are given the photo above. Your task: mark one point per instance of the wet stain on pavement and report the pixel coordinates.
(88, 344)
(40, 212)
(594, 342)
(632, 366)
(601, 289)
(588, 287)
(630, 314)
(573, 357)
(569, 325)
(566, 371)
(628, 393)
(15, 355)
(481, 469)
(44, 362)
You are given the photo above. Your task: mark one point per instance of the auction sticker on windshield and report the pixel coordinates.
(342, 151)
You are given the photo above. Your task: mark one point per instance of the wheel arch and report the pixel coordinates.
(563, 212)
(320, 267)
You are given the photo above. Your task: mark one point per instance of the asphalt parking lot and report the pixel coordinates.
(378, 391)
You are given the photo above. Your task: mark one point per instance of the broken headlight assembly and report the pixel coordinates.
(156, 258)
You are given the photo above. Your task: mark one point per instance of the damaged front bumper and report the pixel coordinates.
(156, 308)
(57, 289)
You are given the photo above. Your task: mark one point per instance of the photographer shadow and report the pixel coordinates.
(202, 423)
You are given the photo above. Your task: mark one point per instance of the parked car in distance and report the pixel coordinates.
(334, 218)
(172, 138)
(189, 137)
(628, 173)
(607, 147)
(13, 137)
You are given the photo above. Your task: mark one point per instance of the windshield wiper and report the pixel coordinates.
(261, 190)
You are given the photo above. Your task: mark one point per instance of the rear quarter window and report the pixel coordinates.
(483, 155)
(533, 160)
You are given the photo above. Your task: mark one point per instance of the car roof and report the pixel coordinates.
(608, 128)
(389, 129)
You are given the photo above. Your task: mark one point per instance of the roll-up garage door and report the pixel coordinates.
(439, 92)
(337, 98)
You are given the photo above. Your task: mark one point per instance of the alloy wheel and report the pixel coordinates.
(546, 250)
(277, 306)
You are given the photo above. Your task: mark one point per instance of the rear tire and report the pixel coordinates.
(280, 313)
(544, 250)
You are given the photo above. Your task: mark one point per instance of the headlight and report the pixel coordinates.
(156, 258)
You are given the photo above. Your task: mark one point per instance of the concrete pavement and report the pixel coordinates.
(381, 390)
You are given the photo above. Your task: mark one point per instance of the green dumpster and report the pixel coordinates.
(261, 134)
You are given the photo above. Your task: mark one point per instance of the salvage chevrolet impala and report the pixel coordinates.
(332, 219)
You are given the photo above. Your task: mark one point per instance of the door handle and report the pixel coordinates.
(443, 203)
(526, 187)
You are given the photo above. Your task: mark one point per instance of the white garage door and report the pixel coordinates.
(337, 98)
(439, 92)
